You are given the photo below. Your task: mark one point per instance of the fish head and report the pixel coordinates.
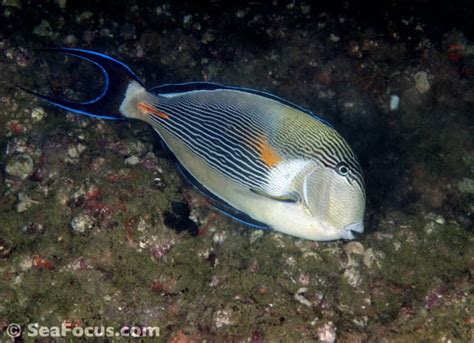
(335, 197)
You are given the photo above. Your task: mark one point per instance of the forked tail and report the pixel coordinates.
(118, 77)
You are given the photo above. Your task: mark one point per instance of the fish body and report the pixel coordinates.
(266, 161)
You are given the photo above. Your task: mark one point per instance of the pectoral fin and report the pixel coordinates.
(291, 197)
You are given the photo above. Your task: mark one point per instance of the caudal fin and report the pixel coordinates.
(118, 77)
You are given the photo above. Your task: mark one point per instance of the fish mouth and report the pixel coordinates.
(353, 230)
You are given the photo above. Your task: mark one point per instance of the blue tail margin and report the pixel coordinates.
(118, 77)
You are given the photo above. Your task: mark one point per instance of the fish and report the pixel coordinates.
(262, 160)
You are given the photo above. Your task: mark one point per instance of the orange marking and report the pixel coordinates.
(147, 109)
(268, 154)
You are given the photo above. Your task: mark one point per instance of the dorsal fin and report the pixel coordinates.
(185, 87)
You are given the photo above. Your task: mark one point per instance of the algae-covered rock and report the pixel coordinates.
(466, 185)
(422, 83)
(132, 160)
(12, 3)
(44, 29)
(82, 222)
(20, 165)
(24, 202)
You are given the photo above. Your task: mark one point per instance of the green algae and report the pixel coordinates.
(123, 275)
(443, 254)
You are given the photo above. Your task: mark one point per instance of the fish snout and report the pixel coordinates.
(354, 230)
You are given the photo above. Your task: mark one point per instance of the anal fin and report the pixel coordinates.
(220, 204)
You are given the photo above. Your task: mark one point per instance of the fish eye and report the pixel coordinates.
(342, 169)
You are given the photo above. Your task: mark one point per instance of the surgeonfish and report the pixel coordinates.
(263, 160)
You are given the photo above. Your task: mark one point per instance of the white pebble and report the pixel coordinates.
(354, 248)
(299, 296)
(141, 226)
(349, 105)
(466, 186)
(305, 9)
(370, 258)
(20, 166)
(132, 160)
(255, 235)
(219, 237)
(394, 102)
(37, 114)
(76, 150)
(70, 40)
(187, 19)
(352, 276)
(422, 84)
(327, 333)
(223, 318)
(82, 222)
(25, 264)
(440, 220)
(333, 38)
(24, 202)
